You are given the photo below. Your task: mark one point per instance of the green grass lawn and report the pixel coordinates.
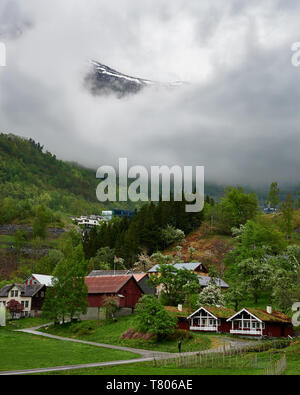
(148, 368)
(109, 332)
(23, 323)
(25, 351)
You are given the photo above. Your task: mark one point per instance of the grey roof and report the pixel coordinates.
(27, 290)
(95, 273)
(4, 291)
(204, 281)
(179, 266)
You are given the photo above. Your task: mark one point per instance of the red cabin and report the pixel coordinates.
(210, 319)
(124, 288)
(259, 322)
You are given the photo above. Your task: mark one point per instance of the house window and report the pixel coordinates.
(244, 324)
(12, 293)
(16, 293)
(22, 303)
(26, 303)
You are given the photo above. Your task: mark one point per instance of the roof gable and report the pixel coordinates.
(215, 311)
(43, 279)
(263, 315)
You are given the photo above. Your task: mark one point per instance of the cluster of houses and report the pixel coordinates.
(245, 322)
(89, 221)
(128, 287)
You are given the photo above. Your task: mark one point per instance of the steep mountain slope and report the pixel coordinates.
(103, 80)
(29, 175)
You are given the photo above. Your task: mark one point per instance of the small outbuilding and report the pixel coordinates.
(140, 277)
(124, 287)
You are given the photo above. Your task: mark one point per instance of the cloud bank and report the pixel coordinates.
(238, 116)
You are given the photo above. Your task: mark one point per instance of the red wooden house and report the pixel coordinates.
(125, 288)
(246, 322)
(210, 319)
(259, 322)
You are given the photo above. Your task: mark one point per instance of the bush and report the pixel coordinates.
(269, 344)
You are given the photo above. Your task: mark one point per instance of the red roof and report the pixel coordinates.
(139, 276)
(106, 284)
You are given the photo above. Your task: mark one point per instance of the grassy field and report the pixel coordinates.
(148, 368)
(25, 351)
(30, 322)
(109, 332)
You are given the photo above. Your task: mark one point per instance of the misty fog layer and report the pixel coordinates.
(238, 115)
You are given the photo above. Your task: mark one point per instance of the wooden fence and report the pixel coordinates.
(253, 357)
(276, 368)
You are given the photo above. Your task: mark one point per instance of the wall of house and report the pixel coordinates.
(19, 299)
(99, 313)
(278, 330)
(224, 326)
(183, 323)
(131, 292)
(147, 289)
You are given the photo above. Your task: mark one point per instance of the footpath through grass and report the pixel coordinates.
(110, 332)
(24, 351)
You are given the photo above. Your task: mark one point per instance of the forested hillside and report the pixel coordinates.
(31, 176)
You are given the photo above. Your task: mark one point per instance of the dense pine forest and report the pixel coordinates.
(144, 232)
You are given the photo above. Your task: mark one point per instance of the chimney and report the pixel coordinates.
(180, 307)
(269, 309)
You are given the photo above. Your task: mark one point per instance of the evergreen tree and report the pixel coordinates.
(273, 197)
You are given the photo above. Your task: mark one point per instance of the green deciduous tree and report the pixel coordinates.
(287, 211)
(41, 221)
(111, 305)
(234, 209)
(235, 295)
(68, 296)
(254, 276)
(175, 283)
(152, 317)
(286, 288)
(211, 296)
(172, 235)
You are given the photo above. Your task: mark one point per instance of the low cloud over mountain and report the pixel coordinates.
(237, 114)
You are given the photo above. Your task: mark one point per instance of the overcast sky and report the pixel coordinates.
(238, 116)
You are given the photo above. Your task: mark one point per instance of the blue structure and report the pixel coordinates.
(122, 213)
